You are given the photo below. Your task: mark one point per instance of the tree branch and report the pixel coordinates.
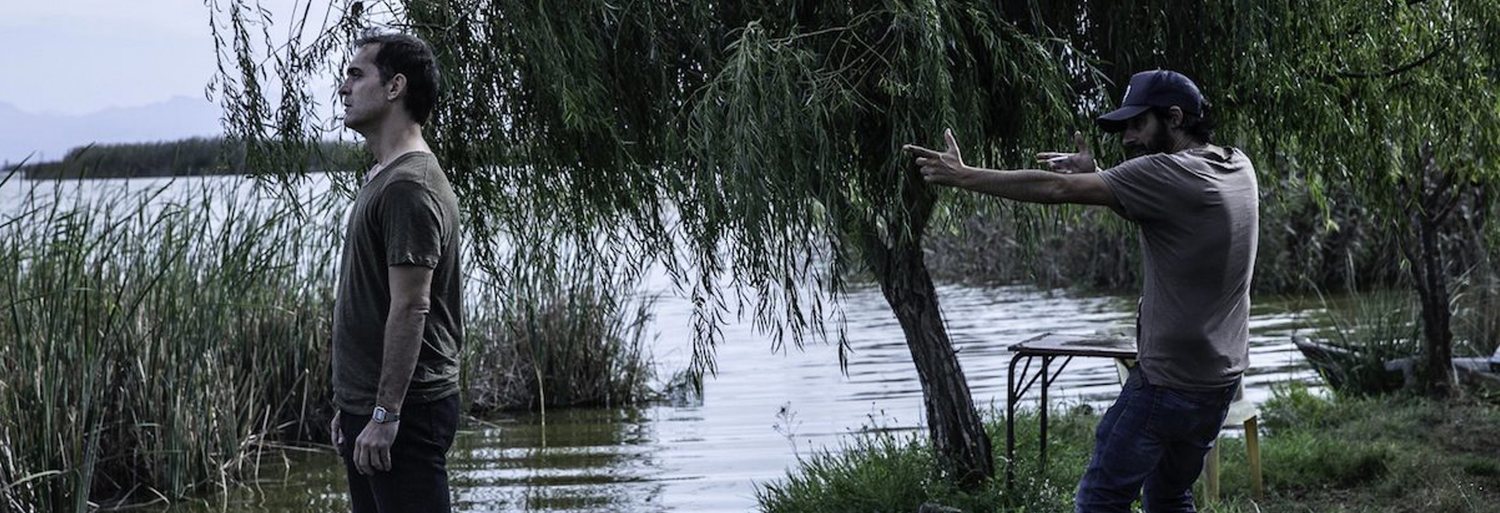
(1396, 70)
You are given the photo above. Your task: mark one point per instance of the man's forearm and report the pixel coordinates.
(1022, 185)
(403, 344)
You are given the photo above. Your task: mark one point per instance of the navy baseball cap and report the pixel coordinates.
(1155, 88)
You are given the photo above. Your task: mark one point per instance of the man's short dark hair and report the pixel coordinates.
(1198, 125)
(410, 56)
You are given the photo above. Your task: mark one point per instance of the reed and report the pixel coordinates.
(570, 338)
(151, 344)
(1376, 327)
(154, 343)
(1476, 303)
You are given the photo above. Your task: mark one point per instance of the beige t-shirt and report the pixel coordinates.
(1198, 213)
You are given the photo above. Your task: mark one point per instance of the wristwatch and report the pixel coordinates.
(382, 416)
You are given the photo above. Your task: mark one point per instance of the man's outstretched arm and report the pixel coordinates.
(947, 168)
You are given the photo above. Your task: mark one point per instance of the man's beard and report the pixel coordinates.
(1159, 142)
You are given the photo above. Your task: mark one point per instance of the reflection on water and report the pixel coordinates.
(599, 460)
(759, 413)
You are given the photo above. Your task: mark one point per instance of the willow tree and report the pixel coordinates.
(753, 146)
(1391, 106)
(1410, 94)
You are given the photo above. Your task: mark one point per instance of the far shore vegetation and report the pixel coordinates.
(195, 156)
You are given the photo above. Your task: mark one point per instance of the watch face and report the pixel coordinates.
(379, 415)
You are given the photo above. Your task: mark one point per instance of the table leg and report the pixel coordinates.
(1010, 425)
(1046, 383)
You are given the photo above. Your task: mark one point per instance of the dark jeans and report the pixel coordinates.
(1151, 444)
(418, 479)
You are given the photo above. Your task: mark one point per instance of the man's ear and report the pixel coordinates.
(397, 87)
(1174, 116)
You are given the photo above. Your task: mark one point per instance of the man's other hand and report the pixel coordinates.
(337, 434)
(1080, 162)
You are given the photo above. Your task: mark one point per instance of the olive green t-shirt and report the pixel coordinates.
(1199, 217)
(406, 215)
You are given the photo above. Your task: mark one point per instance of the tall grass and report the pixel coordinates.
(1382, 326)
(153, 342)
(1375, 327)
(1476, 304)
(148, 343)
(574, 338)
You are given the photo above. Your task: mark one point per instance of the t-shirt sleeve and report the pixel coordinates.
(1147, 188)
(411, 222)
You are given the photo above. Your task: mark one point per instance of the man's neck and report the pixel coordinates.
(1181, 142)
(395, 139)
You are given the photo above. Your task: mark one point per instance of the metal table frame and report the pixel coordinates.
(1048, 347)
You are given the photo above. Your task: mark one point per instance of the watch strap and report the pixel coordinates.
(383, 416)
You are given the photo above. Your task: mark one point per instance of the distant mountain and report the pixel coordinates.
(50, 136)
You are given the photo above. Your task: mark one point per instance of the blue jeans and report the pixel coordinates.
(1151, 444)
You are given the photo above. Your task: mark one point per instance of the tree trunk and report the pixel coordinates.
(958, 437)
(1436, 195)
(1437, 332)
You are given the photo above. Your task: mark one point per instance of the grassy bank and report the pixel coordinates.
(152, 346)
(1391, 454)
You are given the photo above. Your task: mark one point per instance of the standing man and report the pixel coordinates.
(398, 318)
(1197, 208)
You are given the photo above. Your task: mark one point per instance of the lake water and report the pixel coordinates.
(760, 412)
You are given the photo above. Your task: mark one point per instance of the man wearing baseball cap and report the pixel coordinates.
(1196, 204)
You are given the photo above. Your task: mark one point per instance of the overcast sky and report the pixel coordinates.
(82, 56)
